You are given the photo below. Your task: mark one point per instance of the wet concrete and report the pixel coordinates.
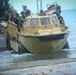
(56, 69)
(58, 63)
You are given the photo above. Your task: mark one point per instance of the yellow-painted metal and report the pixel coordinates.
(28, 33)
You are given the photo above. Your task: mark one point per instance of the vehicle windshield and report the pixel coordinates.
(26, 22)
(54, 19)
(45, 21)
(34, 22)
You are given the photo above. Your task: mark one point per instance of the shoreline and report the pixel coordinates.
(66, 68)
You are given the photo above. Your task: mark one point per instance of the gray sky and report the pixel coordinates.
(31, 4)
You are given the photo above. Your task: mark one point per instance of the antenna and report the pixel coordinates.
(37, 6)
(40, 4)
(47, 6)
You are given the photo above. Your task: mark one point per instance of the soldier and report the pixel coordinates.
(23, 16)
(7, 17)
(41, 13)
(26, 11)
(14, 15)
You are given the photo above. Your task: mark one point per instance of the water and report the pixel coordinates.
(70, 21)
(10, 60)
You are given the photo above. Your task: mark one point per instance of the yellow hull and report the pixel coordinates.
(37, 45)
(42, 35)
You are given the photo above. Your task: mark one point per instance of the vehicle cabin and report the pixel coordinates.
(36, 22)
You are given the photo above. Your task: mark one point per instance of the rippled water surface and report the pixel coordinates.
(11, 60)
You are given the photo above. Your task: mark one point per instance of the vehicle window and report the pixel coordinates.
(34, 22)
(45, 21)
(54, 19)
(26, 22)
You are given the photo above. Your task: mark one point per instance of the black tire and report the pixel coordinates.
(22, 49)
(66, 46)
(8, 43)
